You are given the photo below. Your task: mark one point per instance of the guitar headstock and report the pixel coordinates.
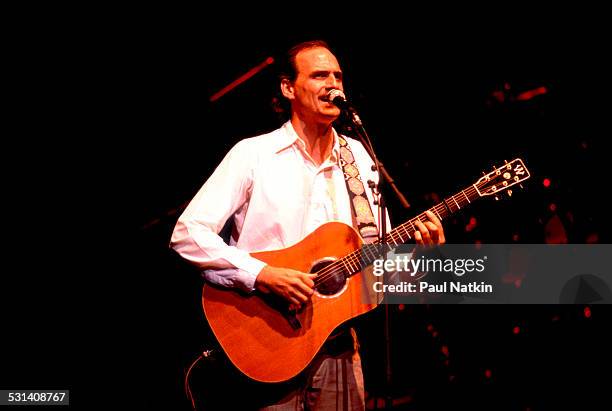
(502, 178)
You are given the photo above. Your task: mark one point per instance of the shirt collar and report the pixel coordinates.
(289, 137)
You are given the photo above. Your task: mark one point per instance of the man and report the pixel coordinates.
(278, 188)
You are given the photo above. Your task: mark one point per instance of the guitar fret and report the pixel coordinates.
(400, 237)
(444, 210)
(345, 266)
(362, 255)
(448, 207)
(476, 188)
(458, 206)
(354, 265)
(396, 237)
(438, 214)
(407, 233)
(372, 256)
(466, 197)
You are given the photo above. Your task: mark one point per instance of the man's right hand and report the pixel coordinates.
(294, 286)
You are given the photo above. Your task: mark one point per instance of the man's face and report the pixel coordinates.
(318, 72)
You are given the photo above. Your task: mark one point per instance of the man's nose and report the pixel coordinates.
(332, 82)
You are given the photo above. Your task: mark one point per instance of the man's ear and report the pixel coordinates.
(287, 89)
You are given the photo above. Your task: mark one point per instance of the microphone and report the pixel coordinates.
(338, 99)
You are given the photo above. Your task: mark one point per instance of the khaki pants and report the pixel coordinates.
(334, 381)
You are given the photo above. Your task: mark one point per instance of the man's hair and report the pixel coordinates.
(288, 70)
(288, 67)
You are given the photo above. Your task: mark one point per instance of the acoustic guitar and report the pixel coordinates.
(268, 342)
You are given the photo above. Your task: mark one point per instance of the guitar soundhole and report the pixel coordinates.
(330, 282)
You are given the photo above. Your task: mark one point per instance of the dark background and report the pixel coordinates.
(119, 134)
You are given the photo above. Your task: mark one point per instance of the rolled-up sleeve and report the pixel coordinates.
(196, 234)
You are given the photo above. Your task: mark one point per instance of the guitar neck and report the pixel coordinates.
(490, 184)
(405, 232)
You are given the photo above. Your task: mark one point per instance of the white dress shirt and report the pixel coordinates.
(276, 195)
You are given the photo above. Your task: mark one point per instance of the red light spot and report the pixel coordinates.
(554, 231)
(546, 182)
(556, 318)
(528, 95)
(435, 334)
(444, 350)
(506, 86)
(241, 79)
(488, 373)
(552, 207)
(516, 330)
(429, 327)
(514, 278)
(401, 307)
(471, 225)
(592, 238)
(587, 312)
(499, 96)
(515, 237)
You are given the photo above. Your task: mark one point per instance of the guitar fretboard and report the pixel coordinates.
(355, 261)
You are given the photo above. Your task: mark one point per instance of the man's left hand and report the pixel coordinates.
(429, 233)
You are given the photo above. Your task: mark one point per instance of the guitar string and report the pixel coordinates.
(353, 259)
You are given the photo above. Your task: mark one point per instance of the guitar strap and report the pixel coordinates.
(362, 211)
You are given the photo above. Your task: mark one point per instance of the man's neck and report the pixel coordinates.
(318, 138)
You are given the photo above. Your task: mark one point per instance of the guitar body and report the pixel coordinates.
(256, 333)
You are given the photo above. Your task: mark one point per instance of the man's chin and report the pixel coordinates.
(329, 119)
(331, 112)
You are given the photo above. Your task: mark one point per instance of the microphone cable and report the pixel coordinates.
(204, 354)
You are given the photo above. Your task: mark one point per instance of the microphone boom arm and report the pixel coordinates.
(382, 171)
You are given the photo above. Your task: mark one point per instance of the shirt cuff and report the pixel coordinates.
(232, 277)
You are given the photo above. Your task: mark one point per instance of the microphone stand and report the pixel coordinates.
(383, 175)
(382, 171)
